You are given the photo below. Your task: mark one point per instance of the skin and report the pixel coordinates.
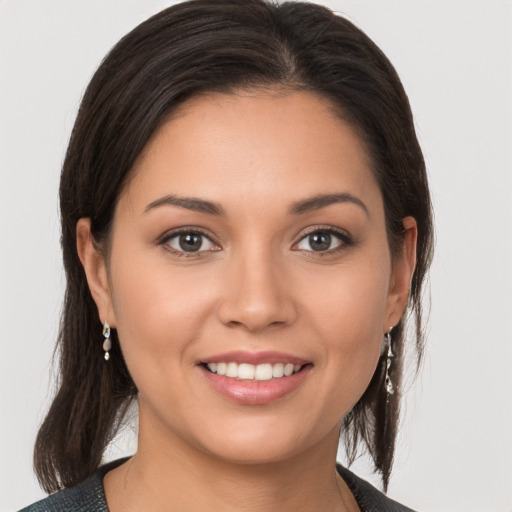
(257, 286)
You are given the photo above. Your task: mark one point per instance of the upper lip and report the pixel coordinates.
(244, 356)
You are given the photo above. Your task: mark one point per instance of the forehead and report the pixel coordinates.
(255, 145)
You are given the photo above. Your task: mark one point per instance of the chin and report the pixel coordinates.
(261, 443)
(255, 454)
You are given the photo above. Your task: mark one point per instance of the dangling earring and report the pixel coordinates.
(387, 382)
(107, 344)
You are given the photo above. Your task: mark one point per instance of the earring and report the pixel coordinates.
(107, 344)
(387, 382)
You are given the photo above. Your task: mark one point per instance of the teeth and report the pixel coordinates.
(221, 369)
(260, 372)
(232, 370)
(263, 372)
(278, 370)
(245, 371)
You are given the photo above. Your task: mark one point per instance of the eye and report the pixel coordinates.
(323, 240)
(189, 242)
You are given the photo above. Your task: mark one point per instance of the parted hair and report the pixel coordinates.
(197, 47)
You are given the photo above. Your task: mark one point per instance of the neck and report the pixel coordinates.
(180, 477)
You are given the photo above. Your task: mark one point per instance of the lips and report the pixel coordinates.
(254, 378)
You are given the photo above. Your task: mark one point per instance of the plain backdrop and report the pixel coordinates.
(455, 59)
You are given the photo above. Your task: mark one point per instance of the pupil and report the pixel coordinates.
(320, 241)
(190, 242)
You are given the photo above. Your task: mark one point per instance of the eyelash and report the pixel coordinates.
(341, 235)
(164, 241)
(344, 238)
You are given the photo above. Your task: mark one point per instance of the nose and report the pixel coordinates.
(257, 294)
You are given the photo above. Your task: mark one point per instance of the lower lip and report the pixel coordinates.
(252, 392)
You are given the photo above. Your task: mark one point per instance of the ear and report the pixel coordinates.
(95, 268)
(401, 274)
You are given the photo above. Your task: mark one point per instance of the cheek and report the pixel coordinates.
(350, 299)
(348, 311)
(158, 313)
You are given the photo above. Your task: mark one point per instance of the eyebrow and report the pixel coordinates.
(323, 200)
(190, 203)
(297, 208)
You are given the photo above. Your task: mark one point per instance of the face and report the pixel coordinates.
(249, 244)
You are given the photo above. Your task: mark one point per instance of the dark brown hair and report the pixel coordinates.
(191, 48)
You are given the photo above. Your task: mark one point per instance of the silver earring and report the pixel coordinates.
(107, 344)
(390, 389)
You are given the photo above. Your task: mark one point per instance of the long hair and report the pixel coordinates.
(191, 48)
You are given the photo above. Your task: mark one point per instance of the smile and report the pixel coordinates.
(254, 378)
(260, 372)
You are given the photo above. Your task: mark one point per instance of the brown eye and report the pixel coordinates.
(320, 241)
(323, 241)
(190, 242)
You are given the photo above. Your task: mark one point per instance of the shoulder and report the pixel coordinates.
(367, 496)
(87, 496)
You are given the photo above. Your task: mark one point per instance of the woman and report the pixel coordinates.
(245, 224)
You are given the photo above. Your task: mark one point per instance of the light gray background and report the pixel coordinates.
(455, 61)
